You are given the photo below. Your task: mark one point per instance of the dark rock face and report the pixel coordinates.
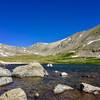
(81, 87)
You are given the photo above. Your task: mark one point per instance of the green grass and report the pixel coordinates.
(79, 61)
(58, 59)
(26, 58)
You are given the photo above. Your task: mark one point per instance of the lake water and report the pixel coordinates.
(77, 74)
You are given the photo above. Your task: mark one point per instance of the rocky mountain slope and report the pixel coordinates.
(6, 50)
(81, 44)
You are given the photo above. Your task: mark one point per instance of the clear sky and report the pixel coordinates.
(24, 22)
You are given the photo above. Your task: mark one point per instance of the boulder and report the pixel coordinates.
(5, 80)
(4, 72)
(33, 69)
(89, 88)
(60, 88)
(14, 94)
(64, 74)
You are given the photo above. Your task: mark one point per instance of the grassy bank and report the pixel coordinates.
(65, 59)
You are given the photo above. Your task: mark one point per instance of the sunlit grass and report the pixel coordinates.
(61, 58)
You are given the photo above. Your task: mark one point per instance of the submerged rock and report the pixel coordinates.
(4, 72)
(33, 69)
(5, 80)
(89, 88)
(14, 94)
(61, 88)
(64, 74)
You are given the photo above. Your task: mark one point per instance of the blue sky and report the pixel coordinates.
(24, 22)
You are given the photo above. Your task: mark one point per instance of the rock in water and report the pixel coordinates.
(4, 72)
(33, 69)
(56, 71)
(64, 74)
(89, 88)
(36, 95)
(5, 80)
(14, 94)
(49, 65)
(61, 88)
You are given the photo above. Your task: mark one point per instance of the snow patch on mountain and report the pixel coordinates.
(93, 41)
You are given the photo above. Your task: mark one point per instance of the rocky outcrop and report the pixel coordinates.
(5, 80)
(89, 88)
(4, 72)
(61, 88)
(14, 94)
(33, 69)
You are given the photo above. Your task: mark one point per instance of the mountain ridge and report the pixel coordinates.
(82, 44)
